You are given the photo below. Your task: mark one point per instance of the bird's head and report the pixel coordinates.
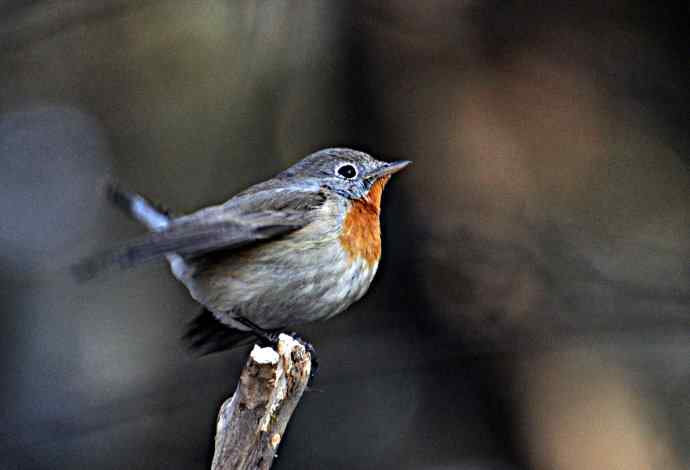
(352, 174)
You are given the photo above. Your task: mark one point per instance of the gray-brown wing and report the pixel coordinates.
(260, 217)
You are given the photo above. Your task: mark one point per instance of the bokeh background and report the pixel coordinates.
(532, 310)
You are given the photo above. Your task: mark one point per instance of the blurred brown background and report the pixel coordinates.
(533, 307)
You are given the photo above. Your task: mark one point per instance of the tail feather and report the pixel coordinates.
(206, 335)
(138, 208)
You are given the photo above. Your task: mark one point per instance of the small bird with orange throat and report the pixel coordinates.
(300, 247)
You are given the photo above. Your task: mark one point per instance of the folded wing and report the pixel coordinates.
(262, 216)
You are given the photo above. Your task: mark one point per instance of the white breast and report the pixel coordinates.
(351, 285)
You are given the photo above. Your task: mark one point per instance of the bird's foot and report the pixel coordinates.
(271, 337)
(268, 338)
(265, 337)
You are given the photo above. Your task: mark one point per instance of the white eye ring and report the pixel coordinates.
(347, 171)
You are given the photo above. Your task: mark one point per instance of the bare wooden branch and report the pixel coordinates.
(251, 423)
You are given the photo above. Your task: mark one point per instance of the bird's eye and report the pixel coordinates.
(347, 171)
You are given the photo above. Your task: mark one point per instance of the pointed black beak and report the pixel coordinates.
(387, 169)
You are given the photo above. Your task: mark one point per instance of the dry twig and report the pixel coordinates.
(251, 423)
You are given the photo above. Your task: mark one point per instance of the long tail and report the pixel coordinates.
(138, 208)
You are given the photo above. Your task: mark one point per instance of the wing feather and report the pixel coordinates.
(262, 216)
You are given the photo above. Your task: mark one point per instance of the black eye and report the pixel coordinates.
(347, 171)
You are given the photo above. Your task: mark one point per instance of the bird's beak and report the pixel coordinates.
(387, 169)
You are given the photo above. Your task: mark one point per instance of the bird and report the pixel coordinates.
(300, 247)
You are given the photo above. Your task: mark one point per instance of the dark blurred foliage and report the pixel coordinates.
(533, 305)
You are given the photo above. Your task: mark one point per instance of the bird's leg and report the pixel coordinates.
(271, 338)
(268, 336)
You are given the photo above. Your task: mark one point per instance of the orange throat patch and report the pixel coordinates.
(361, 234)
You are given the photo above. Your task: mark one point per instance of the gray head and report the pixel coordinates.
(347, 172)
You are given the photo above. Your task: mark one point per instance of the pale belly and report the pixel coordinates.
(277, 285)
